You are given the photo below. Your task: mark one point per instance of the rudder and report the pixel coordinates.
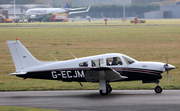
(68, 4)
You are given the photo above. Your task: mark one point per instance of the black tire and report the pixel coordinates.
(158, 89)
(103, 92)
(109, 88)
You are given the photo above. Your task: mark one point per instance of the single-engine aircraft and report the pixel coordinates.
(102, 69)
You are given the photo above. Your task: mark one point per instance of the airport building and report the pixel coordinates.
(166, 11)
(8, 9)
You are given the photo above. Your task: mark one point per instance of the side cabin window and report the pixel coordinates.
(83, 64)
(113, 61)
(97, 63)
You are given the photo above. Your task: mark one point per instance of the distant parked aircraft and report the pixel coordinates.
(65, 9)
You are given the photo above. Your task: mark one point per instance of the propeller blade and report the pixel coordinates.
(166, 65)
(166, 60)
(168, 76)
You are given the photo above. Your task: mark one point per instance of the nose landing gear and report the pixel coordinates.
(158, 89)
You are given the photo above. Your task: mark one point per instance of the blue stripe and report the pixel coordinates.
(67, 5)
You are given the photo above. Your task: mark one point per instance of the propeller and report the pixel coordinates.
(166, 68)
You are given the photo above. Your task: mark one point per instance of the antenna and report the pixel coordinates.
(53, 56)
(72, 54)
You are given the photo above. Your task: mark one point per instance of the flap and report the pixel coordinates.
(112, 75)
(106, 73)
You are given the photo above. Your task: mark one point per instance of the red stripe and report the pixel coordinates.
(136, 70)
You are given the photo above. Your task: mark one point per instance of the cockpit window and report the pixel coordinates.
(83, 64)
(128, 60)
(113, 61)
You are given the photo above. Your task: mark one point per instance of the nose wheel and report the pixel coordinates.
(158, 89)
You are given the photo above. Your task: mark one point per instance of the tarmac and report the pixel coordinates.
(91, 100)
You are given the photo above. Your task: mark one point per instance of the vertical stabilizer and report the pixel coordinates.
(21, 56)
(68, 4)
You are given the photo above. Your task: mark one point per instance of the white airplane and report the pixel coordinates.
(65, 9)
(102, 69)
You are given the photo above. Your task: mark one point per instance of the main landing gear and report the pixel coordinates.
(107, 91)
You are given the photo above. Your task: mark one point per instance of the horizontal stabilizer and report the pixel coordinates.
(18, 73)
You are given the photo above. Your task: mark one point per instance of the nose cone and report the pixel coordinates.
(169, 67)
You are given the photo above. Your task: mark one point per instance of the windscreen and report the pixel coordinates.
(128, 60)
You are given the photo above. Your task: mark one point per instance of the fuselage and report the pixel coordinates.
(45, 11)
(83, 69)
(105, 68)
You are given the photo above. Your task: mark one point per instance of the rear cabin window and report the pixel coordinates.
(113, 61)
(83, 64)
(97, 63)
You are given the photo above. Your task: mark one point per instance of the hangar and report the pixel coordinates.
(158, 14)
(166, 11)
(8, 9)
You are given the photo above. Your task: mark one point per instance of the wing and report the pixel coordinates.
(79, 11)
(73, 9)
(104, 73)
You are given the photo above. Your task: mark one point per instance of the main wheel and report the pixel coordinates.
(109, 88)
(158, 89)
(103, 92)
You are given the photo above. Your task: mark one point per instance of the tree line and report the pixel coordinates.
(130, 8)
(116, 11)
(160, 2)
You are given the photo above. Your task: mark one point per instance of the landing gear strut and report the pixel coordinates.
(104, 87)
(107, 91)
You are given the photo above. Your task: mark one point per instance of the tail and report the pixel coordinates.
(21, 56)
(68, 4)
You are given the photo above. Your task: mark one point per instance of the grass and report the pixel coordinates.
(149, 22)
(14, 108)
(142, 43)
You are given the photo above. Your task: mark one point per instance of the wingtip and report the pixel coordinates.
(18, 73)
(88, 8)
